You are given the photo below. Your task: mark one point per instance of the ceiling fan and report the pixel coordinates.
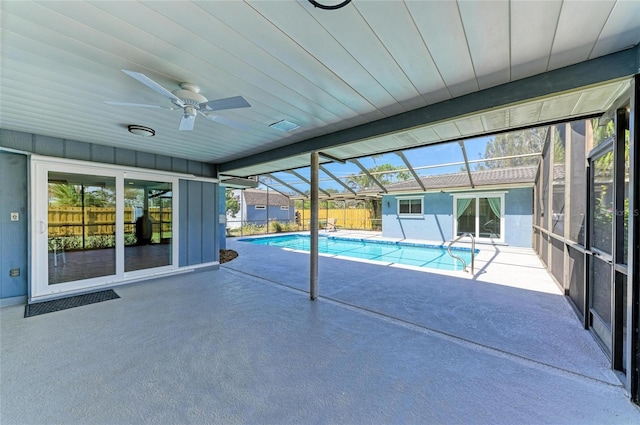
(192, 103)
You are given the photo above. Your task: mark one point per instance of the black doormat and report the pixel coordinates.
(70, 302)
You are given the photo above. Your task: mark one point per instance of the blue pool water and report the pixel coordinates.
(419, 255)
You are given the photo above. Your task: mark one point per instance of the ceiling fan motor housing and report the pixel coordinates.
(190, 96)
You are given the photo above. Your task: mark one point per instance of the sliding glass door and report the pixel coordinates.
(481, 215)
(95, 226)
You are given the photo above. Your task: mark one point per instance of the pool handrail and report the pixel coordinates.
(473, 251)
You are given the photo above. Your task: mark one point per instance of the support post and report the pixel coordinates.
(313, 258)
(633, 284)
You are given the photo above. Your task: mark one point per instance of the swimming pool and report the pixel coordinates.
(411, 254)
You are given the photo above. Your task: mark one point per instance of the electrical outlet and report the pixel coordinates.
(15, 216)
(14, 272)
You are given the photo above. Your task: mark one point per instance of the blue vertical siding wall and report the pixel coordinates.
(71, 149)
(198, 222)
(435, 225)
(437, 222)
(14, 244)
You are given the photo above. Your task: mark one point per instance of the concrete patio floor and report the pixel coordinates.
(383, 345)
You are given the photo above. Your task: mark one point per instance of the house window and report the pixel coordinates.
(482, 215)
(261, 207)
(284, 207)
(410, 206)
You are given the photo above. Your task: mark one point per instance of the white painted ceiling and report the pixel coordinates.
(323, 70)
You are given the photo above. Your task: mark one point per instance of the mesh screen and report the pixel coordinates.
(545, 250)
(557, 260)
(578, 182)
(558, 178)
(576, 278)
(601, 289)
(543, 195)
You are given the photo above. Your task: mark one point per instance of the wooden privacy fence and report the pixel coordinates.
(346, 218)
(70, 221)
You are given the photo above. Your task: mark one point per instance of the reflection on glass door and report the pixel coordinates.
(148, 222)
(81, 226)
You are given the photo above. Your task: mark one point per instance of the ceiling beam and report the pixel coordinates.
(333, 158)
(614, 66)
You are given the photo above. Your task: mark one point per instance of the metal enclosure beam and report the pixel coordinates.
(368, 174)
(633, 288)
(411, 170)
(328, 173)
(301, 177)
(313, 257)
(466, 163)
(271, 176)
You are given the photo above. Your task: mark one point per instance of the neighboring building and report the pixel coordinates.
(259, 207)
(497, 208)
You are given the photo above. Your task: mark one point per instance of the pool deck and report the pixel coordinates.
(382, 345)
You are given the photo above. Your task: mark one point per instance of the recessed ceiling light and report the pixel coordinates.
(139, 130)
(284, 125)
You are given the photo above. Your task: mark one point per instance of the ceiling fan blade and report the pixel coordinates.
(154, 86)
(227, 103)
(137, 105)
(187, 122)
(227, 121)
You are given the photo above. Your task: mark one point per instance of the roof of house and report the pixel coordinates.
(493, 177)
(259, 197)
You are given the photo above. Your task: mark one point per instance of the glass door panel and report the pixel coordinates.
(466, 211)
(81, 219)
(489, 212)
(148, 224)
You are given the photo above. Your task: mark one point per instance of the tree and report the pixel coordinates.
(513, 144)
(383, 173)
(75, 195)
(232, 206)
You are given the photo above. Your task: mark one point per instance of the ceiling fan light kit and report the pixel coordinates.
(189, 99)
(140, 130)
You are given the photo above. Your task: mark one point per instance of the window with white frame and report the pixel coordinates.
(480, 214)
(410, 206)
(261, 207)
(284, 207)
